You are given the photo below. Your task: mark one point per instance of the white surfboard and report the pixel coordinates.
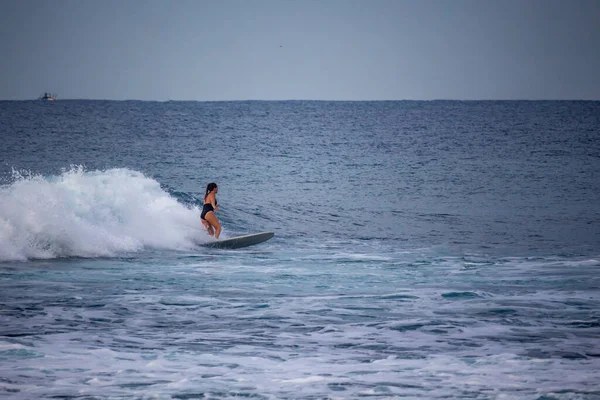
(240, 241)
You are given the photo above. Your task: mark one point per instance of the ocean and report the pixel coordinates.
(422, 250)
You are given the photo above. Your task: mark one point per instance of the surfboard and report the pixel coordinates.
(240, 241)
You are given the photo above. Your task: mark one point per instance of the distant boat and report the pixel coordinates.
(48, 97)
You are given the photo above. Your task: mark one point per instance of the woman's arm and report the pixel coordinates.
(213, 202)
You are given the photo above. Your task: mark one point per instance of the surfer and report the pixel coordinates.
(208, 217)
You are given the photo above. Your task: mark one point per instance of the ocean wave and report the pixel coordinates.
(98, 213)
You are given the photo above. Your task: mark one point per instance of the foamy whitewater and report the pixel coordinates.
(422, 250)
(90, 214)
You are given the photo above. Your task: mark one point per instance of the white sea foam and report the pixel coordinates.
(90, 214)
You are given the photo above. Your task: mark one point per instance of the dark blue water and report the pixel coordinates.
(422, 250)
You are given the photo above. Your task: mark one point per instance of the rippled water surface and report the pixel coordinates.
(423, 250)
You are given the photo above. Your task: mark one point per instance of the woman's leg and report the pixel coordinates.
(208, 226)
(214, 221)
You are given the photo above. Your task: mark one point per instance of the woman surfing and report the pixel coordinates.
(208, 217)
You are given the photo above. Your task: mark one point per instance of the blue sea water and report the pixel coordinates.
(423, 250)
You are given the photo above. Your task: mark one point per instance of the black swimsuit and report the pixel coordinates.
(206, 208)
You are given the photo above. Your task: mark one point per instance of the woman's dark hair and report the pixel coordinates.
(209, 188)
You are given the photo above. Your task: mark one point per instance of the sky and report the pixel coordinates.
(300, 49)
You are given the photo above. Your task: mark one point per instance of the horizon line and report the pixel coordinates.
(296, 100)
